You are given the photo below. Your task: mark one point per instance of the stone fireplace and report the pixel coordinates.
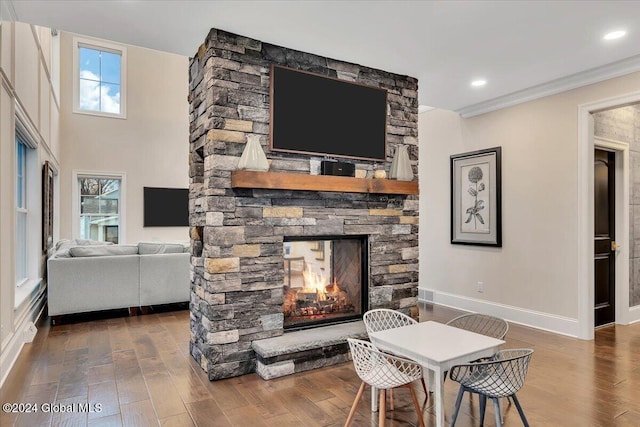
(246, 272)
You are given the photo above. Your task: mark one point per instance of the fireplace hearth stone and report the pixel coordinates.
(305, 350)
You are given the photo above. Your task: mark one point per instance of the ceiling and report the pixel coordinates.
(523, 49)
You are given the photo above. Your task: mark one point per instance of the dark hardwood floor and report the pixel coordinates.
(139, 370)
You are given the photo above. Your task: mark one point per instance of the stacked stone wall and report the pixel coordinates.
(237, 234)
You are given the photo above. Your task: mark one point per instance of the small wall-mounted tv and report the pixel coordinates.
(166, 207)
(315, 114)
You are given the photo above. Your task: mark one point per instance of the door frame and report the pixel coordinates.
(585, 216)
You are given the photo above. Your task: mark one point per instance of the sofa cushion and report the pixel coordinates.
(62, 248)
(103, 250)
(87, 242)
(160, 248)
(64, 242)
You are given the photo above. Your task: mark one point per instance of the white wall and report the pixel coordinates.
(26, 89)
(151, 145)
(533, 278)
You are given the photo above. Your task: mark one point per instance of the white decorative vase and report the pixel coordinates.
(253, 158)
(393, 170)
(400, 165)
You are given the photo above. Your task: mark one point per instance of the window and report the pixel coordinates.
(99, 78)
(100, 208)
(27, 218)
(22, 213)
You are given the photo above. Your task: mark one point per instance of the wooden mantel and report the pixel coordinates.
(341, 184)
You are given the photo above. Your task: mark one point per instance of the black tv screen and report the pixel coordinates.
(166, 207)
(314, 114)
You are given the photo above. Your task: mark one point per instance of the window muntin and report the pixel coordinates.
(99, 208)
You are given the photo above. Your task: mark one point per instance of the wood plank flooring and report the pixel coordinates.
(140, 372)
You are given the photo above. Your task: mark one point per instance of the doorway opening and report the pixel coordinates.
(587, 143)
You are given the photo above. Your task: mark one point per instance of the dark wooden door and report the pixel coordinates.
(604, 244)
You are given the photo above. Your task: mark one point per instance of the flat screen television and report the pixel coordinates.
(166, 207)
(314, 114)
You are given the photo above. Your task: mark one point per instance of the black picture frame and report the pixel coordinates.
(476, 197)
(47, 206)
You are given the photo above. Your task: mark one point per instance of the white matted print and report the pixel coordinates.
(475, 198)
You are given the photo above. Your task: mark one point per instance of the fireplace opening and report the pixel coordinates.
(325, 280)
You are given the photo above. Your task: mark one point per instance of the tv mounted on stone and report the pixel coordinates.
(325, 116)
(166, 207)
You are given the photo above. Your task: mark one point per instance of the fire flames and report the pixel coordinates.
(316, 298)
(314, 282)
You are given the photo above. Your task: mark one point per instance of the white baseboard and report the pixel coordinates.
(535, 319)
(633, 316)
(16, 342)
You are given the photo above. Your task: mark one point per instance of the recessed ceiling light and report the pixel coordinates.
(615, 35)
(478, 83)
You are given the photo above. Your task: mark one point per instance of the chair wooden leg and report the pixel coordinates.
(496, 407)
(382, 408)
(416, 404)
(355, 405)
(520, 411)
(424, 388)
(457, 407)
(483, 408)
(391, 406)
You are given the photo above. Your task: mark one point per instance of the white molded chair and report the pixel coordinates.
(381, 319)
(385, 372)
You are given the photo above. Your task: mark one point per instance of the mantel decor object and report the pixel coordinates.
(253, 157)
(476, 199)
(400, 165)
(380, 174)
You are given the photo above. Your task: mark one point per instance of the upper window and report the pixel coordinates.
(99, 78)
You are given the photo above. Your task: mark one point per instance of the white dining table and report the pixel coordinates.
(437, 347)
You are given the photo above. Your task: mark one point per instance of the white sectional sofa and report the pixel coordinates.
(84, 276)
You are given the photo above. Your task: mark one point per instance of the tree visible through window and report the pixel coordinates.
(99, 208)
(100, 75)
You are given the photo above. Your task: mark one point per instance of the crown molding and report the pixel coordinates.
(594, 75)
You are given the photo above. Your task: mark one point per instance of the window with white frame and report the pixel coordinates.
(100, 208)
(99, 78)
(22, 213)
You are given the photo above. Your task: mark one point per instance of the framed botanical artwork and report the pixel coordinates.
(476, 199)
